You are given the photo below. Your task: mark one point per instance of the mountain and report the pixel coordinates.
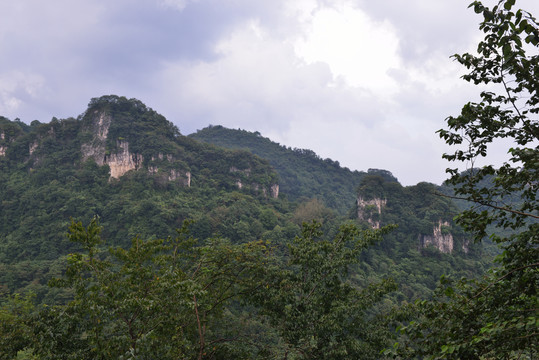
(302, 173)
(125, 163)
(128, 165)
(426, 243)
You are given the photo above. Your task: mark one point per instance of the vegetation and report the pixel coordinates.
(55, 172)
(496, 316)
(217, 267)
(302, 173)
(171, 299)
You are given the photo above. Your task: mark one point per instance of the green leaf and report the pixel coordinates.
(509, 4)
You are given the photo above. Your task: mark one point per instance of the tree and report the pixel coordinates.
(318, 312)
(159, 299)
(15, 331)
(495, 317)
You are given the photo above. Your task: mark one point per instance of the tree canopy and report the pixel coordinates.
(495, 317)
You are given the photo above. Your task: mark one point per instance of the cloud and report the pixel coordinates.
(177, 4)
(295, 90)
(17, 88)
(258, 83)
(353, 45)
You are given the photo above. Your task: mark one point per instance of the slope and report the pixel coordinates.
(302, 173)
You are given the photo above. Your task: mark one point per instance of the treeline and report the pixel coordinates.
(302, 173)
(179, 298)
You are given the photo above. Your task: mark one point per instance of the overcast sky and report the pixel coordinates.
(363, 82)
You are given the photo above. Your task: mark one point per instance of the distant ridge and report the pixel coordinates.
(302, 173)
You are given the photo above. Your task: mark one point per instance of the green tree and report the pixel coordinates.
(495, 317)
(15, 331)
(159, 299)
(318, 312)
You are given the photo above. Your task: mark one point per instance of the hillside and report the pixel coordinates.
(426, 243)
(128, 165)
(302, 173)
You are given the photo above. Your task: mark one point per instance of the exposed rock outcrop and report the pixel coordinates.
(440, 239)
(183, 178)
(123, 161)
(32, 147)
(466, 246)
(120, 161)
(96, 149)
(2, 148)
(274, 191)
(370, 210)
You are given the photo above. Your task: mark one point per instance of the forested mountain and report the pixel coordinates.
(125, 167)
(302, 173)
(126, 164)
(186, 250)
(426, 244)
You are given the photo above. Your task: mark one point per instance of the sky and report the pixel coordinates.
(366, 83)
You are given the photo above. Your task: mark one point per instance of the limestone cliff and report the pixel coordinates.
(440, 238)
(2, 147)
(97, 147)
(370, 210)
(123, 161)
(32, 147)
(273, 189)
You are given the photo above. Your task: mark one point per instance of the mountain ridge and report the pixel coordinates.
(128, 165)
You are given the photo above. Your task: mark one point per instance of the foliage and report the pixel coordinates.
(496, 316)
(158, 299)
(15, 332)
(177, 298)
(318, 312)
(45, 181)
(302, 173)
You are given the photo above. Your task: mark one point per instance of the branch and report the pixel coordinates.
(512, 100)
(489, 205)
(503, 277)
(199, 329)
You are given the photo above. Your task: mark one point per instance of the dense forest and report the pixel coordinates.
(302, 173)
(121, 238)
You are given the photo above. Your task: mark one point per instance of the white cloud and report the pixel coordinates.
(16, 87)
(177, 4)
(355, 47)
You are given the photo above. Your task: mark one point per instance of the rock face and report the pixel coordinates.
(370, 210)
(123, 161)
(184, 178)
(32, 147)
(2, 148)
(119, 162)
(116, 136)
(273, 189)
(444, 242)
(97, 147)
